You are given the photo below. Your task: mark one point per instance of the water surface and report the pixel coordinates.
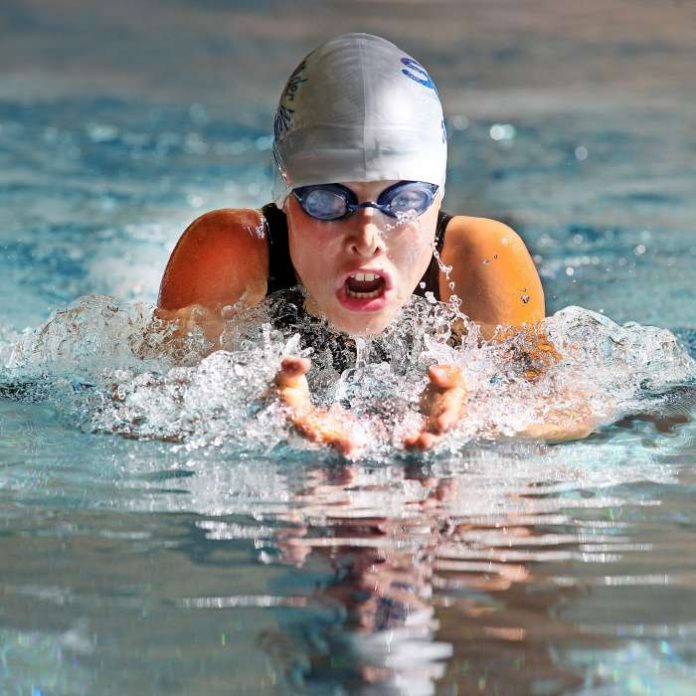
(134, 566)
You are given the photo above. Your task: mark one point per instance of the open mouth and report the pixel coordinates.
(364, 286)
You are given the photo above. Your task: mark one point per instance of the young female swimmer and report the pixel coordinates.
(361, 151)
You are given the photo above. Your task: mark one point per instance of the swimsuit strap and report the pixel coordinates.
(281, 274)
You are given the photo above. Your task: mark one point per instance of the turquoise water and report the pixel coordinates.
(224, 556)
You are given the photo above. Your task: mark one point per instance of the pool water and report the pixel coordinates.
(180, 540)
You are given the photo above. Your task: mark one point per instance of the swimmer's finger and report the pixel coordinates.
(344, 446)
(422, 441)
(292, 371)
(446, 409)
(294, 365)
(446, 377)
(321, 427)
(445, 421)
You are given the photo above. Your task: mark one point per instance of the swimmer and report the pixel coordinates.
(361, 152)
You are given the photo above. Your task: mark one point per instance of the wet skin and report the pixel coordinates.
(325, 253)
(221, 261)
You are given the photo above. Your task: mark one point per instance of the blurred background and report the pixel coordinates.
(121, 122)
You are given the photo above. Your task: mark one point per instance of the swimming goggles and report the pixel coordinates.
(335, 201)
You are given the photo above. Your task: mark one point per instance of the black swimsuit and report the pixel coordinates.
(281, 274)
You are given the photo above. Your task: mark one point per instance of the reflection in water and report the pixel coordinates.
(508, 568)
(421, 590)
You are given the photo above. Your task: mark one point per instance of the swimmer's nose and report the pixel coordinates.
(365, 238)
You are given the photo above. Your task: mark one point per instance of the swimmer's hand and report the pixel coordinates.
(315, 424)
(443, 403)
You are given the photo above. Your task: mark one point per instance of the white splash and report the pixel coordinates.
(113, 368)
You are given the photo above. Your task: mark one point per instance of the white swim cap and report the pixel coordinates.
(359, 109)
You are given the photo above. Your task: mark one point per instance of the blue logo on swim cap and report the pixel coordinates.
(417, 73)
(283, 121)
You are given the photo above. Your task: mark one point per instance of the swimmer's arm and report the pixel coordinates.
(570, 417)
(499, 287)
(563, 425)
(220, 260)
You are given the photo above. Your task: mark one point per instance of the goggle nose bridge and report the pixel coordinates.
(352, 207)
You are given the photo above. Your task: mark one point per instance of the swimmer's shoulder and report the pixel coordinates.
(221, 256)
(493, 272)
(476, 235)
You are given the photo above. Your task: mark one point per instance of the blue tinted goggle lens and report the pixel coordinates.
(335, 201)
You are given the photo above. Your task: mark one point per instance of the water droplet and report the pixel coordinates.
(569, 271)
(581, 153)
(194, 144)
(640, 249)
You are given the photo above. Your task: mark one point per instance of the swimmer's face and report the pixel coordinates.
(360, 270)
